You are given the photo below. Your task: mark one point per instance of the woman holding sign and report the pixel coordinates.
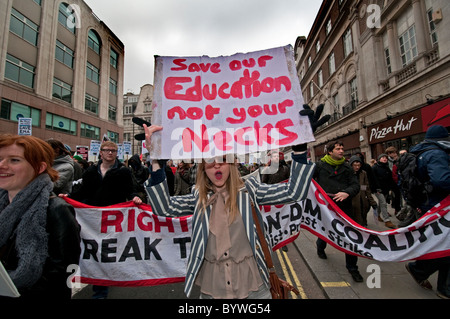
(226, 260)
(39, 236)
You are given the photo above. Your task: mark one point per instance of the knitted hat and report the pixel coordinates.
(381, 155)
(77, 157)
(436, 132)
(355, 158)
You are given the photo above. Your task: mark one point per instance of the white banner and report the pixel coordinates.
(240, 104)
(127, 245)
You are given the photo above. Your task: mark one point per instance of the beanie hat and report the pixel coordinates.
(381, 155)
(355, 158)
(436, 132)
(77, 157)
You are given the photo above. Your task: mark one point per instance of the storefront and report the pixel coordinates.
(408, 129)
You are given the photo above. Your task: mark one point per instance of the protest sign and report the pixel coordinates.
(25, 126)
(127, 245)
(244, 103)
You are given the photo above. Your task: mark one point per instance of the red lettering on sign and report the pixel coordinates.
(189, 136)
(116, 222)
(290, 136)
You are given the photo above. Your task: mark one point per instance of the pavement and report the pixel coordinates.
(394, 281)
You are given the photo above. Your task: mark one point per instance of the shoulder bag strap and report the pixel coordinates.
(262, 239)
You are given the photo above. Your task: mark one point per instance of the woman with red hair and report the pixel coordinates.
(39, 236)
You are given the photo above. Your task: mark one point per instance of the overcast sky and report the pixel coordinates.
(200, 27)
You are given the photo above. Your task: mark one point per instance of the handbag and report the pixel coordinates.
(279, 288)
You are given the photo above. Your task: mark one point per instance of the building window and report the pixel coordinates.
(317, 46)
(433, 33)
(89, 131)
(408, 46)
(113, 136)
(112, 113)
(387, 53)
(332, 63)
(354, 91)
(128, 109)
(311, 90)
(93, 41)
(24, 27)
(64, 54)
(19, 71)
(148, 107)
(328, 27)
(309, 61)
(320, 78)
(61, 124)
(388, 60)
(113, 86)
(62, 90)
(348, 43)
(91, 104)
(67, 17)
(113, 58)
(92, 73)
(12, 111)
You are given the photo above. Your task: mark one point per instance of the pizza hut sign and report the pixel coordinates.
(399, 127)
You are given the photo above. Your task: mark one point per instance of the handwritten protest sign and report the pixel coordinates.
(244, 103)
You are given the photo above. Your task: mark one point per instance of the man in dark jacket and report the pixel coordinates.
(433, 163)
(336, 177)
(385, 182)
(106, 183)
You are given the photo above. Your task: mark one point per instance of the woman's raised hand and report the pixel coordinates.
(149, 130)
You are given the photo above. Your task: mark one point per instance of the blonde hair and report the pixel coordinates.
(204, 185)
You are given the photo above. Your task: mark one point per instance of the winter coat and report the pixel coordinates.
(115, 187)
(362, 202)
(335, 179)
(434, 165)
(64, 165)
(281, 175)
(383, 177)
(63, 249)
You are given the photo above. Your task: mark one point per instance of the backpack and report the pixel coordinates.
(415, 191)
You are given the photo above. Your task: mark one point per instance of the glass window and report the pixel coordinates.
(113, 136)
(24, 27)
(113, 86)
(93, 41)
(64, 54)
(112, 113)
(408, 46)
(89, 131)
(19, 71)
(91, 104)
(348, 43)
(92, 73)
(66, 17)
(61, 124)
(13, 111)
(433, 33)
(114, 57)
(332, 63)
(62, 90)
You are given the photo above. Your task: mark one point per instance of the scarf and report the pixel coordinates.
(26, 218)
(219, 221)
(329, 160)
